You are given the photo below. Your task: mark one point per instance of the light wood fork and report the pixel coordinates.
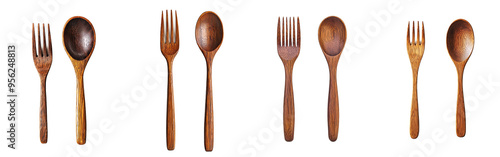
(415, 52)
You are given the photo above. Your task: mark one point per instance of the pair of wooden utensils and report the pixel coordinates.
(460, 43)
(79, 42)
(208, 34)
(332, 37)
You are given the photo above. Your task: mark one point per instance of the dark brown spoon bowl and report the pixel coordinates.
(79, 37)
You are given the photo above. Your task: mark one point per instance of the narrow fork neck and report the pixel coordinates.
(43, 72)
(43, 78)
(288, 63)
(170, 58)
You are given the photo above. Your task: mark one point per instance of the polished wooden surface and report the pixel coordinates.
(169, 44)
(332, 37)
(460, 43)
(79, 41)
(288, 43)
(209, 34)
(415, 50)
(43, 61)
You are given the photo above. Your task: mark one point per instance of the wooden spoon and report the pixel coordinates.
(460, 43)
(209, 34)
(332, 36)
(79, 42)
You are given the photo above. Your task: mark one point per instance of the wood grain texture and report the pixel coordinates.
(169, 44)
(288, 104)
(76, 29)
(81, 117)
(170, 111)
(333, 99)
(288, 44)
(209, 34)
(43, 61)
(415, 47)
(43, 112)
(414, 115)
(460, 119)
(332, 36)
(460, 43)
(209, 111)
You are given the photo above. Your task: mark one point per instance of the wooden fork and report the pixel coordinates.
(43, 61)
(169, 45)
(288, 50)
(415, 52)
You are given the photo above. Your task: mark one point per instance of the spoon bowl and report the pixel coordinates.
(460, 40)
(79, 42)
(209, 34)
(332, 37)
(79, 38)
(209, 31)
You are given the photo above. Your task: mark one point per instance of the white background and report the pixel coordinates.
(374, 80)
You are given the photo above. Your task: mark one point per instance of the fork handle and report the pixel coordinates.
(460, 106)
(81, 118)
(333, 106)
(43, 111)
(170, 110)
(414, 118)
(209, 117)
(288, 106)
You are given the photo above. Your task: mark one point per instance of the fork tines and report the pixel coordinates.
(44, 50)
(419, 41)
(167, 35)
(286, 32)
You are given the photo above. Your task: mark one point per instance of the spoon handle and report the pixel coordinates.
(333, 106)
(460, 107)
(81, 119)
(43, 111)
(288, 106)
(209, 117)
(170, 111)
(414, 118)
